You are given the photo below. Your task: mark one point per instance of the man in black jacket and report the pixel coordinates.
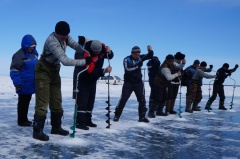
(133, 83)
(218, 88)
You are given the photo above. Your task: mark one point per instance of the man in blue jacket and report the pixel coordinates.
(23, 76)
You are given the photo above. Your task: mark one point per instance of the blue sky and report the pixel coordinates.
(207, 30)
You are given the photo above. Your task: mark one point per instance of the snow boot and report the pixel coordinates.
(81, 121)
(142, 113)
(56, 123)
(208, 105)
(151, 112)
(117, 115)
(38, 126)
(159, 110)
(195, 106)
(89, 120)
(221, 106)
(188, 107)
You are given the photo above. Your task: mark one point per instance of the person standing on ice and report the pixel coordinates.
(23, 76)
(161, 84)
(218, 88)
(133, 82)
(48, 80)
(153, 66)
(174, 85)
(87, 81)
(195, 94)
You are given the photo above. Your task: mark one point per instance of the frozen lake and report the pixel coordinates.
(204, 134)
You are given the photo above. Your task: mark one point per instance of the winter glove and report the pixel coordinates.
(210, 66)
(236, 66)
(18, 88)
(140, 63)
(88, 60)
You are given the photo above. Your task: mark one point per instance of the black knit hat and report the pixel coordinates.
(226, 65)
(203, 63)
(169, 58)
(136, 49)
(196, 62)
(62, 28)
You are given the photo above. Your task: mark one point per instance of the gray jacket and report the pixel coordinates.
(54, 51)
(200, 74)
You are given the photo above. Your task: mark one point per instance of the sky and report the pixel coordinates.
(198, 135)
(207, 30)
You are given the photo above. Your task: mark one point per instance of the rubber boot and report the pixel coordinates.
(208, 105)
(117, 115)
(188, 107)
(38, 126)
(221, 105)
(151, 112)
(160, 110)
(195, 106)
(171, 111)
(142, 113)
(56, 122)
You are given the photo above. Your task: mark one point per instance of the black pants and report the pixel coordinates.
(85, 101)
(218, 89)
(173, 91)
(160, 95)
(138, 89)
(22, 108)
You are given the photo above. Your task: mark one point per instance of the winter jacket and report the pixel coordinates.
(54, 51)
(95, 69)
(200, 74)
(220, 76)
(132, 67)
(164, 75)
(22, 66)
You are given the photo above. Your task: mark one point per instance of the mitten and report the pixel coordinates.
(210, 66)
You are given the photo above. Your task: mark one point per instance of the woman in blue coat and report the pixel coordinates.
(23, 76)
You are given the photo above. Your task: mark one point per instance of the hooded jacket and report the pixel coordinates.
(22, 66)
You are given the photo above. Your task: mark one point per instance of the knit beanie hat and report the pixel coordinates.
(136, 49)
(196, 62)
(226, 65)
(203, 63)
(96, 46)
(62, 28)
(169, 58)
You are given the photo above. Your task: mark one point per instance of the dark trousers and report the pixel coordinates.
(85, 101)
(195, 91)
(218, 89)
(160, 95)
(127, 89)
(173, 91)
(22, 108)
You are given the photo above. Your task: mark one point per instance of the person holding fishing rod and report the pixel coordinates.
(218, 88)
(87, 81)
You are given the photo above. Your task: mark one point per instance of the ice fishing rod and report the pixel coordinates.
(72, 135)
(180, 97)
(209, 94)
(234, 86)
(108, 101)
